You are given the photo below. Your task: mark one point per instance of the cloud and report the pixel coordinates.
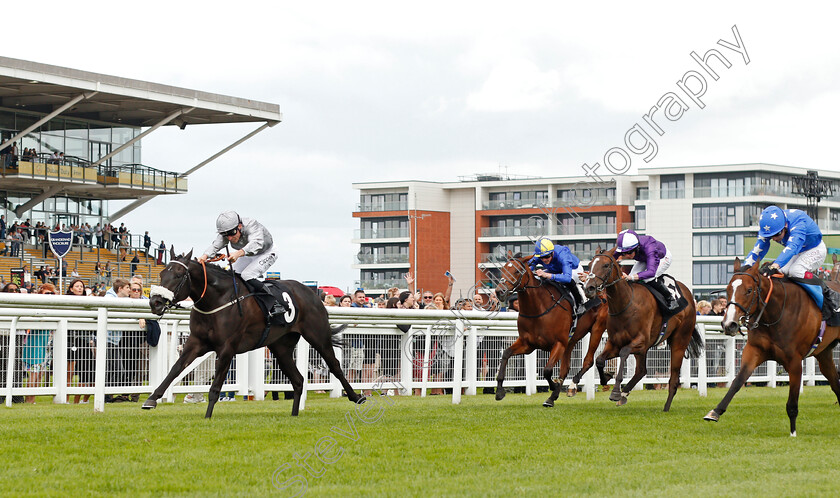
(516, 85)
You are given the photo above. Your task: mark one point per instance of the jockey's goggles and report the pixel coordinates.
(230, 233)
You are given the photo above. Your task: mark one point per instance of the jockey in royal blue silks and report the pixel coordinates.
(558, 264)
(804, 250)
(652, 260)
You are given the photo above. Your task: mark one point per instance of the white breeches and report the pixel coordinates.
(664, 264)
(808, 260)
(255, 266)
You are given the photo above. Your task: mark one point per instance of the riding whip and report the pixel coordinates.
(233, 274)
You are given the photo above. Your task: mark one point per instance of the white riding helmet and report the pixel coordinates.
(227, 221)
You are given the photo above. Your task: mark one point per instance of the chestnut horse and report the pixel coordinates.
(783, 324)
(634, 323)
(217, 323)
(544, 322)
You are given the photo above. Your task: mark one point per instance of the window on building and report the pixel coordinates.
(672, 186)
(725, 215)
(712, 273)
(718, 245)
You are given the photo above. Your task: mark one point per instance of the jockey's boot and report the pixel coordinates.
(274, 306)
(831, 302)
(656, 284)
(577, 293)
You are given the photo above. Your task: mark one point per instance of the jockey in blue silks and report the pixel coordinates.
(558, 264)
(652, 260)
(804, 248)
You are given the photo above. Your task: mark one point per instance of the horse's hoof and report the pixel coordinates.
(571, 391)
(621, 402)
(548, 403)
(149, 404)
(712, 416)
(615, 396)
(500, 394)
(793, 434)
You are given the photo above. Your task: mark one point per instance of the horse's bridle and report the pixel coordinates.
(156, 290)
(755, 301)
(517, 285)
(602, 287)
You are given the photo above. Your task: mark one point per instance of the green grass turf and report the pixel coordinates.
(430, 447)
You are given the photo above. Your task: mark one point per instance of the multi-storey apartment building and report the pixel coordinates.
(703, 214)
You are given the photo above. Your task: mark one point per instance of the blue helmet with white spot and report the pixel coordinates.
(771, 222)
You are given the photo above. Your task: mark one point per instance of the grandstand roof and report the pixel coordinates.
(43, 88)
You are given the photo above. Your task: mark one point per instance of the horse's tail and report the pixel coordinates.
(335, 331)
(695, 347)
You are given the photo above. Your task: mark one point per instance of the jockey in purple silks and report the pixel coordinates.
(652, 260)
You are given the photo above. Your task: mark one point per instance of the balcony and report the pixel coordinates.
(129, 179)
(382, 206)
(369, 285)
(493, 258)
(580, 229)
(573, 202)
(381, 233)
(601, 200)
(381, 259)
(526, 231)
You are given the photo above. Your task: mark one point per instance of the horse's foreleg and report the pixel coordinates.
(751, 358)
(608, 353)
(222, 366)
(554, 387)
(615, 395)
(829, 370)
(193, 348)
(794, 369)
(518, 347)
(641, 371)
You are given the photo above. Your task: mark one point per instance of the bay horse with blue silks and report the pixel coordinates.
(224, 320)
(783, 324)
(546, 321)
(635, 324)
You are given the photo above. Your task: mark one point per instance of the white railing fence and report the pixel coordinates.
(59, 346)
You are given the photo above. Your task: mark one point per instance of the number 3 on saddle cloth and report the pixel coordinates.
(282, 294)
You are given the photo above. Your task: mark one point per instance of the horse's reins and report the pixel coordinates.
(186, 277)
(519, 285)
(605, 285)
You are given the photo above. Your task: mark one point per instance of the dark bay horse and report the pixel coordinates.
(634, 323)
(216, 325)
(783, 324)
(544, 322)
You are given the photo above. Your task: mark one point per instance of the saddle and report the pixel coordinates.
(670, 284)
(281, 293)
(571, 296)
(826, 298)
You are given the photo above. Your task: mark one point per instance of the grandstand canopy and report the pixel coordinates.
(43, 88)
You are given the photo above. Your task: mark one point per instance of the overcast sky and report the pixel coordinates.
(377, 91)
